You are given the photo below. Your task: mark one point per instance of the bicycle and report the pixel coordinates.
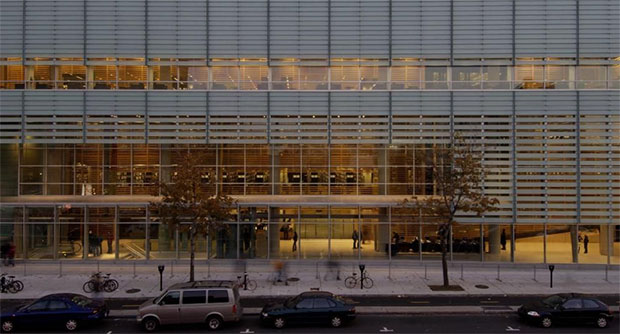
(247, 284)
(8, 283)
(351, 281)
(98, 282)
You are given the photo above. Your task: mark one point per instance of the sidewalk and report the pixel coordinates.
(404, 278)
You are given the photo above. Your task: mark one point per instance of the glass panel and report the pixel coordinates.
(165, 77)
(71, 77)
(254, 77)
(562, 243)
(313, 243)
(431, 246)
(529, 77)
(162, 242)
(43, 76)
(285, 77)
(345, 77)
(529, 243)
(223, 242)
(466, 77)
(374, 232)
(614, 77)
(104, 76)
(406, 77)
(132, 241)
(497, 243)
(131, 77)
(373, 77)
(39, 241)
(560, 77)
(11, 239)
(193, 77)
(101, 241)
(615, 244)
(282, 230)
(466, 242)
(435, 77)
(313, 77)
(11, 77)
(71, 241)
(496, 77)
(253, 233)
(591, 77)
(225, 77)
(345, 232)
(405, 240)
(593, 247)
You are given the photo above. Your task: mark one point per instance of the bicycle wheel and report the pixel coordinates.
(368, 283)
(19, 285)
(350, 282)
(110, 285)
(89, 287)
(251, 285)
(12, 287)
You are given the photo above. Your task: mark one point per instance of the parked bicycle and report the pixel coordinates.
(8, 283)
(99, 282)
(352, 281)
(246, 283)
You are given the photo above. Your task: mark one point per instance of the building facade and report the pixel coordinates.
(319, 116)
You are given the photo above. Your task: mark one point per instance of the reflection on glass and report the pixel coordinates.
(40, 242)
(131, 241)
(496, 77)
(614, 77)
(466, 77)
(406, 77)
(71, 241)
(162, 241)
(591, 77)
(466, 242)
(435, 77)
(559, 77)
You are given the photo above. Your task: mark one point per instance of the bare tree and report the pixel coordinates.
(190, 202)
(458, 174)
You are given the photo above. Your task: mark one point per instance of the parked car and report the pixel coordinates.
(309, 308)
(207, 302)
(569, 308)
(57, 310)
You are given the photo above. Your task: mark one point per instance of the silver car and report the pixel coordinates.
(210, 302)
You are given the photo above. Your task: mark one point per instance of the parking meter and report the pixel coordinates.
(551, 268)
(161, 268)
(362, 267)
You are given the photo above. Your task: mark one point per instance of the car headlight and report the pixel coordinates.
(264, 314)
(533, 314)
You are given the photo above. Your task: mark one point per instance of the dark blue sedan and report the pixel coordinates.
(67, 310)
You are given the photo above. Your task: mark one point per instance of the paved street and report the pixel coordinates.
(470, 323)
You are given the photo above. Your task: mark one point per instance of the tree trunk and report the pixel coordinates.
(444, 260)
(192, 251)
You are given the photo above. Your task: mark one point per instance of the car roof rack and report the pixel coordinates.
(204, 284)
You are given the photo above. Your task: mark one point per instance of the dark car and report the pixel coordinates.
(67, 310)
(569, 308)
(309, 308)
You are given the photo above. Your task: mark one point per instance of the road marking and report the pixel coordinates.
(130, 306)
(419, 302)
(385, 330)
(489, 301)
(510, 329)
(109, 332)
(247, 331)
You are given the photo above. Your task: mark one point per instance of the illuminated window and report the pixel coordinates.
(345, 77)
(254, 77)
(131, 77)
(285, 77)
(406, 77)
(436, 77)
(225, 77)
(466, 77)
(193, 77)
(529, 77)
(559, 77)
(104, 77)
(591, 77)
(496, 77)
(71, 77)
(11, 77)
(373, 77)
(313, 77)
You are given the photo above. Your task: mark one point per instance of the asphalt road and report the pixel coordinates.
(132, 303)
(469, 323)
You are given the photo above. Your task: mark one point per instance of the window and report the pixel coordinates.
(466, 77)
(572, 304)
(285, 77)
(38, 306)
(225, 77)
(529, 77)
(436, 77)
(194, 297)
(588, 303)
(56, 305)
(81, 301)
(305, 303)
(591, 77)
(406, 77)
(131, 77)
(496, 77)
(321, 303)
(193, 77)
(11, 77)
(165, 77)
(71, 77)
(172, 298)
(313, 77)
(345, 77)
(218, 296)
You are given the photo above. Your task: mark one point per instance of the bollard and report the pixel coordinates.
(606, 273)
(134, 269)
(24, 268)
(208, 269)
(98, 270)
(535, 274)
(171, 268)
(390, 270)
(317, 271)
(498, 278)
(461, 271)
(59, 268)
(425, 271)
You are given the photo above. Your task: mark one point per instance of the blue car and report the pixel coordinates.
(68, 310)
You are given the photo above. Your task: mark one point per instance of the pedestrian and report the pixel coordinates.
(355, 236)
(5, 253)
(586, 240)
(294, 241)
(12, 254)
(110, 239)
(502, 239)
(579, 240)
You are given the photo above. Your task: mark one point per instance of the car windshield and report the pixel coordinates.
(81, 301)
(553, 300)
(291, 302)
(158, 298)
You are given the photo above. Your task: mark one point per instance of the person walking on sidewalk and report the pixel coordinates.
(502, 239)
(294, 241)
(586, 240)
(11, 254)
(355, 236)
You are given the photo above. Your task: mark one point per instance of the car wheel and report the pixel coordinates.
(546, 322)
(150, 324)
(336, 321)
(601, 322)
(8, 326)
(71, 325)
(279, 322)
(214, 322)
